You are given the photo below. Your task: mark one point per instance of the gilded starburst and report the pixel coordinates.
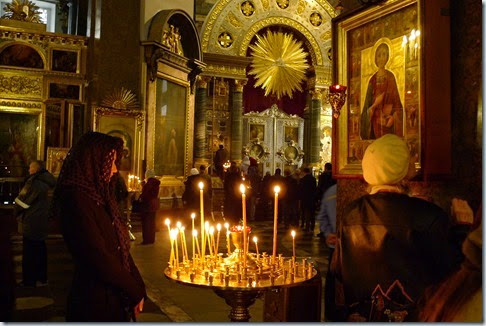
(279, 63)
(23, 10)
(121, 98)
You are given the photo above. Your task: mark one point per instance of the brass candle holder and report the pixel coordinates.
(337, 98)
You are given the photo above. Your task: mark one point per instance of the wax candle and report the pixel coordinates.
(218, 227)
(183, 235)
(211, 240)
(228, 245)
(193, 216)
(194, 233)
(175, 232)
(171, 239)
(276, 189)
(256, 245)
(293, 242)
(201, 204)
(243, 203)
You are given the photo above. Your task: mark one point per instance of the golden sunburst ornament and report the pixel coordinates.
(121, 98)
(279, 63)
(23, 10)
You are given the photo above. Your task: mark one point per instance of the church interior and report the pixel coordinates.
(285, 84)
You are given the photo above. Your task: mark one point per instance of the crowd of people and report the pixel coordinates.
(392, 257)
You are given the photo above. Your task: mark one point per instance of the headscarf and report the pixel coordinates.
(87, 169)
(194, 171)
(386, 161)
(149, 174)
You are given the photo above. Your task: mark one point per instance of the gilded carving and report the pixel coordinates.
(315, 19)
(225, 40)
(247, 8)
(301, 6)
(21, 104)
(172, 39)
(239, 84)
(283, 4)
(202, 81)
(265, 4)
(20, 85)
(233, 20)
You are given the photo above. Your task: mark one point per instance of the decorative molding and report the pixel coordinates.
(290, 153)
(316, 94)
(225, 71)
(273, 111)
(264, 151)
(42, 39)
(21, 85)
(121, 98)
(21, 104)
(202, 81)
(239, 84)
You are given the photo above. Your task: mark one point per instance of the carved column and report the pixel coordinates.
(315, 122)
(200, 145)
(306, 117)
(237, 121)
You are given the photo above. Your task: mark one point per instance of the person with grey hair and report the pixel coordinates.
(33, 210)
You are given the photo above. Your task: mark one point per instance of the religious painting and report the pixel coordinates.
(291, 134)
(257, 132)
(66, 61)
(20, 55)
(64, 91)
(379, 60)
(124, 124)
(19, 142)
(170, 132)
(55, 159)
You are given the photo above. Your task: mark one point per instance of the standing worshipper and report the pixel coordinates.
(232, 194)
(291, 202)
(390, 246)
(325, 180)
(149, 204)
(107, 286)
(34, 205)
(308, 189)
(255, 181)
(190, 197)
(219, 159)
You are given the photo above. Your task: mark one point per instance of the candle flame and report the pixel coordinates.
(211, 230)
(276, 189)
(206, 225)
(173, 234)
(201, 185)
(167, 221)
(218, 227)
(178, 224)
(293, 233)
(242, 188)
(194, 233)
(255, 239)
(183, 228)
(193, 215)
(226, 225)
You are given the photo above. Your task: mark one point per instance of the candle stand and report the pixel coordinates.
(238, 284)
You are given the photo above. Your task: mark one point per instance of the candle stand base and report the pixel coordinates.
(239, 301)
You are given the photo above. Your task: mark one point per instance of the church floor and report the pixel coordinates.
(168, 301)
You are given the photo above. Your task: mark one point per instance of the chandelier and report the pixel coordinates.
(279, 63)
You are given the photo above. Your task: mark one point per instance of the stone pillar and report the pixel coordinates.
(306, 134)
(236, 152)
(200, 145)
(315, 129)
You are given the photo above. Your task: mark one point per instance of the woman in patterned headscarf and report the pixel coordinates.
(106, 284)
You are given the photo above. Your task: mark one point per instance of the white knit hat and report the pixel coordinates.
(386, 161)
(149, 174)
(194, 171)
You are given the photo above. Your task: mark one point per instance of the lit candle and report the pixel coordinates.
(193, 216)
(228, 245)
(183, 234)
(256, 245)
(275, 220)
(194, 233)
(243, 203)
(211, 240)
(178, 225)
(167, 222)
(293, 242)
(218, 227)
(171, 259)
(201, 204)
(176, 231)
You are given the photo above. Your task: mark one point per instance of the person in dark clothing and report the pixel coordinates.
(290, 203)
(149, 204)
(107, 286)
(7, 272)
(325, 180)
(220, 158)
(121, 195)
(255, 181)
(390, 246)
(232, 194)
(208, 189)
(190, 197)
(307, 186)
(34, 213)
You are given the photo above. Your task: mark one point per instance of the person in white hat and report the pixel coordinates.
(390, 246)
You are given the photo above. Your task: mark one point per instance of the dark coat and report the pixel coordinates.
(102, 289)
(308, 190)
(190, 197)
(393, 244)
(149, 199)
(34, 204)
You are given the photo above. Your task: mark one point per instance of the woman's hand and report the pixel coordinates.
(139, 307)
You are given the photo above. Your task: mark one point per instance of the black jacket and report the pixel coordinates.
(102, 288)
(390, 248)
(34, 205)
